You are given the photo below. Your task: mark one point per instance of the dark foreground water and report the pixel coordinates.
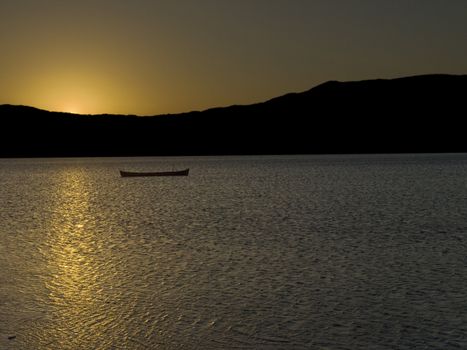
(293, 252)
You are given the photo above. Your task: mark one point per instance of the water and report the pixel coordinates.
(279, 252)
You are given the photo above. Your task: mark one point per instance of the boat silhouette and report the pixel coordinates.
(183, 172)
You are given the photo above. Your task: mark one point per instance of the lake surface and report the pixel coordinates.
(276, 252)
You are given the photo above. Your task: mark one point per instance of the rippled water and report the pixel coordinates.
(289, 252)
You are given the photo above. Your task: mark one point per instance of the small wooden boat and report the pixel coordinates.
(159, 173)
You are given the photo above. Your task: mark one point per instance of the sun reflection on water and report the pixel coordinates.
(79, 269)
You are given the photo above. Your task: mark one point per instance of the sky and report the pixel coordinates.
(150, 57)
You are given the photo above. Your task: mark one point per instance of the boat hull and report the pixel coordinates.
(159, 173)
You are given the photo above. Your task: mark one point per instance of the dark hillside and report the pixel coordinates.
(413, 114)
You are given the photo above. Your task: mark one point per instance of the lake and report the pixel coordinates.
(254, 252)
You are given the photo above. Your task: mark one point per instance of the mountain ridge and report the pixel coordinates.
(367, 116)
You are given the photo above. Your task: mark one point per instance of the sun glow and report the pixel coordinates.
(77, 89)
(72, 110)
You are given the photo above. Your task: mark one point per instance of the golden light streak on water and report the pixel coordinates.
(77, 272)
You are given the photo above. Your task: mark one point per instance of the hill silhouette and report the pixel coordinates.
(412, 114)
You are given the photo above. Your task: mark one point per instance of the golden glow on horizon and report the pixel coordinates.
(72, 110)
(73, 91)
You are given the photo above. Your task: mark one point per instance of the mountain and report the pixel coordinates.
(411, 114)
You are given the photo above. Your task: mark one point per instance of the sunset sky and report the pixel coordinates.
(167, 56)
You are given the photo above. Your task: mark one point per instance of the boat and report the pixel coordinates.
(183, 172)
